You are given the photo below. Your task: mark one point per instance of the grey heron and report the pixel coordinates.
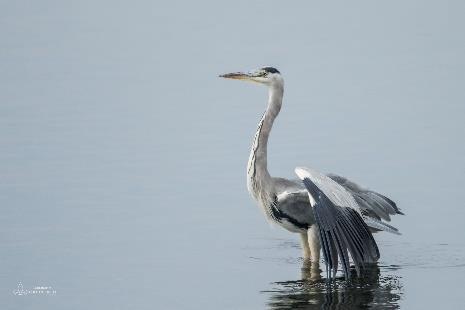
(330, 212)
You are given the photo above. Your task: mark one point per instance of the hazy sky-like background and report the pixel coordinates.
(122, 162)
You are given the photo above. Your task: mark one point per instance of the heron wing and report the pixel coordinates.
(372, 203)
(342, 229)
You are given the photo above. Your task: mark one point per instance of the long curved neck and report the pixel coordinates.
(258, 177)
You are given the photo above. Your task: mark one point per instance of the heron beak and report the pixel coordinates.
(236, 76)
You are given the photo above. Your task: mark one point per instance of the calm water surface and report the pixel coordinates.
(122, 163)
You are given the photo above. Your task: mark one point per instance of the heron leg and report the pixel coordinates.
(311, 271)
(305, 247)
(314, 243)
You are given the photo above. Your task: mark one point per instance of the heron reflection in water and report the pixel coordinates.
(372, 291)
(330, 212)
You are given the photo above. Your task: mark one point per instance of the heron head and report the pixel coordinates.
(266, 75)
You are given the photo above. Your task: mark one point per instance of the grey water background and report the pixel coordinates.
(122, 163)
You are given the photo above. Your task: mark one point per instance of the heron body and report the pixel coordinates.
(328, 211)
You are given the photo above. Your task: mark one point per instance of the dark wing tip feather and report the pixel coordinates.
(392, 203)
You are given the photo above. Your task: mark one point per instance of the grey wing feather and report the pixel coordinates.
(379, 225)
(373, 203)
(342, 229)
